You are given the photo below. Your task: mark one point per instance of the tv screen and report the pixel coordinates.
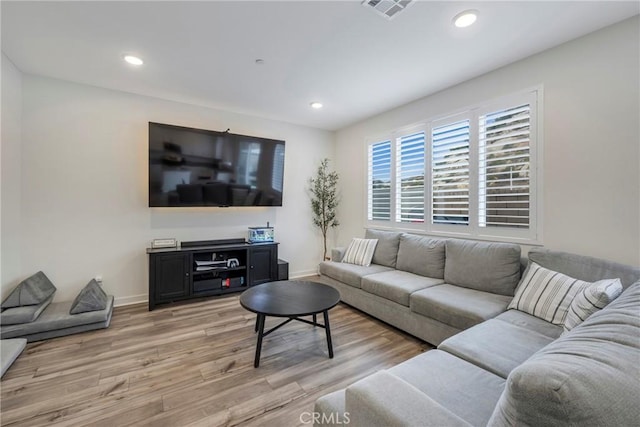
(195, 167)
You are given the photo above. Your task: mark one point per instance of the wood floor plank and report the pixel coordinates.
(192, 364)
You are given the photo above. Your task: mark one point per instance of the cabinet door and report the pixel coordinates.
(264, 264)
(172, 276)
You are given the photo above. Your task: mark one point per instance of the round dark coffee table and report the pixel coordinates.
(291, 299)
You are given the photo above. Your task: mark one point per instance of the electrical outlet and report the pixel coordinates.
(99, 280)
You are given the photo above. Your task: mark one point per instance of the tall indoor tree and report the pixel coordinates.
(323, 189)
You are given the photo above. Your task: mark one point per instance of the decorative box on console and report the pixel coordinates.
(260, 234)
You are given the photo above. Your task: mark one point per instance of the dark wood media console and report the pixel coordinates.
(208, 268)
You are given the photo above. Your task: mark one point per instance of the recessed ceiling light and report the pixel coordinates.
(316, 105)
(133, 60)
(466, 18)
(259, 61)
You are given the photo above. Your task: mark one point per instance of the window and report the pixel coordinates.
(470, 174)
(410, 178)
(450, 173)
(379, 182)
(504, 162)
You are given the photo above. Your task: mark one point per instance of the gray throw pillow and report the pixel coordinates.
(31, 291)
(90, 298)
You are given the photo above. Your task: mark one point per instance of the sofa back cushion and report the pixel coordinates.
(421, 255)
(583, 267)
(588, 376)
(386, 252)
(484, 266)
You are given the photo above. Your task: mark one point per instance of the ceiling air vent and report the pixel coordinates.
(387, 8)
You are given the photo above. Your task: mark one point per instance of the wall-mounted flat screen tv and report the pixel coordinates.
(195, 167)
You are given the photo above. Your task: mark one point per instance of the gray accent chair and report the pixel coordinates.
(509, 369)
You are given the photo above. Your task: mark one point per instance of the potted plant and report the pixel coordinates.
(323, 189)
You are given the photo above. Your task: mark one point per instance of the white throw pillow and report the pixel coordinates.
(591, 299)
(360, 251)
(546, 294)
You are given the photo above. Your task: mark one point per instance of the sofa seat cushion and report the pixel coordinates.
(457, 306)
(24, 314)
(461, 387)
(349, 274)
(494, 345)
(484, 266)
(530, 322)
(56, 316)
(421, 255)
(383, 400)
(588, 376)
(397, 285)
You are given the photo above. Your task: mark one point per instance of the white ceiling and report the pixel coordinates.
(337, 52)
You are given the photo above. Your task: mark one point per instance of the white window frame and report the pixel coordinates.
(531, 236)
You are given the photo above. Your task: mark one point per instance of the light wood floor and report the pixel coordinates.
(192, 364)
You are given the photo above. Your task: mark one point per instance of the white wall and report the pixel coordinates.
(10, 236)
(84, 187)
(591, 200)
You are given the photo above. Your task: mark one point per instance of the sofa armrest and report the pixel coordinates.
(337, 254)
(383, 400)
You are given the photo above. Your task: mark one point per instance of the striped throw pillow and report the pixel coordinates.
(546, 294)
(591, 299)
(360, 251)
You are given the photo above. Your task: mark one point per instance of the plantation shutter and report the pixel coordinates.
(410, 162)
(450, 174)
(504, 168)
(379, 182)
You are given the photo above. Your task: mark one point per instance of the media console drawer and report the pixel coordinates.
(207, 284)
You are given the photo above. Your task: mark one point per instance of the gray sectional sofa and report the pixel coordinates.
(493, 366)
(431, 288)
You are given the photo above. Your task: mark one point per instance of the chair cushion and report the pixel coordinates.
(31, 291)
(9, 352)
(360, 251)
(24, 314)
(494, 345)
(456, 306)
(397, 285)
(557, 385)
(349, 274)
(386, 252)
(484, 266)
(464, 389)
(90, 298)
(421, 255)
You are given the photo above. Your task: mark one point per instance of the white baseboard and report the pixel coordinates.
(134, 299)
(304, 273)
